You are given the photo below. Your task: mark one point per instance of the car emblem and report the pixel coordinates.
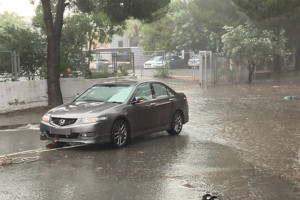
(61, 122)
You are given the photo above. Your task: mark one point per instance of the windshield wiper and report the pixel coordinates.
(89, 100)
(118, 102)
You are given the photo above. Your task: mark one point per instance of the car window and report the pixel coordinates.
(156, 58)
(144, 92)
(160, 90)
(106, 93)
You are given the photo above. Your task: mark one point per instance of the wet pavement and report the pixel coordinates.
(242, 142)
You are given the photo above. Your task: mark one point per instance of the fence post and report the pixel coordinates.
(114, 62)
(132, 63)
(15, 64)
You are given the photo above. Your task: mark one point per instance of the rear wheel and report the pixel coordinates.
(176, 124)
(119, 133)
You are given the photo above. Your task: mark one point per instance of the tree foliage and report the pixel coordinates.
(261, 10)
(16, 36)
(276, 14)
(246, 43)
(213, 15)
(176, 31)
(146, 10)
(157, 35)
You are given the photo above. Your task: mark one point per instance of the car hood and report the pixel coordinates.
(150, 62)
(81, 109)
(194, 59)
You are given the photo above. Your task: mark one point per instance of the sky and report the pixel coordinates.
(21, 7)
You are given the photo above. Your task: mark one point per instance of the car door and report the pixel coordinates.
(163, 104)
(141, 114)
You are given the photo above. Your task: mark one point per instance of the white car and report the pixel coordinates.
(194, 62)
(154, 62)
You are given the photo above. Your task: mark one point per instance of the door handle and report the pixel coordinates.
(172, 99)
(152, 104)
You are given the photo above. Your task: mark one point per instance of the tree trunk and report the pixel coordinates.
(277, 63)
(297, 59)
(251, 68)
(53, 50)
(53, 73)
(88, 70)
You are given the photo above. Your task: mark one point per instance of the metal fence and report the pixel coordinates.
(10, 64)
(211, 69)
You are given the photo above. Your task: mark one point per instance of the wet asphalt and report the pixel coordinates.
(242, 142)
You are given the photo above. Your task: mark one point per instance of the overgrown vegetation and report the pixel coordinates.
(162, 72)
(104, 73)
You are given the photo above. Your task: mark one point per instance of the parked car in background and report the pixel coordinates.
(116, 111)
(194, 62)
(99, 64)
(102, 63)
(121, 64)
(154, 62)
(176, 62)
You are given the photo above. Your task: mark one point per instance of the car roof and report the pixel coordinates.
(127, 82)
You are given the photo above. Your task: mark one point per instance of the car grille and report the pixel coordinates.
(62, 121)
(72, 136)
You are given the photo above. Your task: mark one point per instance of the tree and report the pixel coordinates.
(11, 19)
(117, 10)
(188, 34)
(98, 28)
(53, 29)
(261, 10)
(279, 14)
(15, 36)
(156, 35)
(213, 15)
(176, 31)
(7, 20)
(250, 44)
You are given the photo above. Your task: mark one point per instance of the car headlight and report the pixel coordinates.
(46, 118)
(90, 120)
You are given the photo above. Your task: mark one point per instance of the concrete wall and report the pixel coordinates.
(22, 95)
(29, 94)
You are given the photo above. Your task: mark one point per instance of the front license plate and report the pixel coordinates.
(58, 131)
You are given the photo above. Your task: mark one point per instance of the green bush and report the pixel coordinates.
(162, 72)
(104, 73)
(122, 71)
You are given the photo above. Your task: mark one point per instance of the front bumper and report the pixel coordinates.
(84, 133)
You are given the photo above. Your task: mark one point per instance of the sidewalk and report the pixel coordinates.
(22, 117)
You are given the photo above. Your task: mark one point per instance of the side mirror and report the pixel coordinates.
(137, 100)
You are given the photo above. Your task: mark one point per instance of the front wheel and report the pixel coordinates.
(176, 124)
(119, 133)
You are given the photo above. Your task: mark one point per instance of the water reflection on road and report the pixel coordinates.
(242, 142)
(256, 122)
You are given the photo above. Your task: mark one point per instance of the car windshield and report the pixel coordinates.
(106, 93)
(156, 58)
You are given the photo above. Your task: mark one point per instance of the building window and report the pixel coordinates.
(120, 43)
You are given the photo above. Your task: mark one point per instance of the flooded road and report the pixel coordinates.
(242, 142)
(257, 123)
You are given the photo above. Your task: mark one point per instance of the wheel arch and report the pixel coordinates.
(180, 111)
(121, 117)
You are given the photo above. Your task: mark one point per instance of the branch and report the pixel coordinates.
(48, 19)
(60, 9)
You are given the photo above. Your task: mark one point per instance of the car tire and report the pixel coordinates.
(119, 134)
(176, 123)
